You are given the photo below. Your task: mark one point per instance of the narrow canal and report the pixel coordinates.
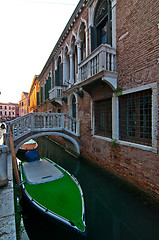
(114, 211)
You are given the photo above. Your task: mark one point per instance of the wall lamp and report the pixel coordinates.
(80, 93)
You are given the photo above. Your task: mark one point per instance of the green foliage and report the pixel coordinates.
(113, 143)
(118, 92)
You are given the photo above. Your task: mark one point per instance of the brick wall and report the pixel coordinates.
(137, 42)
(137, 54)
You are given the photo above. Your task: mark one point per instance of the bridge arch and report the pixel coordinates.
(66, 137)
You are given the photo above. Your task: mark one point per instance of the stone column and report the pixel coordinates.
(78, 58)
(79, 51)
(71, 69)
(3, 166)
(115, 117)
(86, 35)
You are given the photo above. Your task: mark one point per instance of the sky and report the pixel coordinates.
(29, 30)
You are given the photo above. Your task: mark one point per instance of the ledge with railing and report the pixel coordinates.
(40, 122)
(101, 59)
(55, 94)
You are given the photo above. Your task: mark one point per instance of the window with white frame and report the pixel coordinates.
(135, 117)
(103, 117)
(101, 32)
(59, 73)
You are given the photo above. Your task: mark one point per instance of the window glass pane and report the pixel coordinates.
(101, 11)
(135, 117)
(145, 117)
(104, 34)
(130, 117)
(103, 118)
(102, 30)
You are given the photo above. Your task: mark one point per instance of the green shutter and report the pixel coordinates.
(56, 77)
(45, 91)
(61, 74)
(38, 98)
(41, 94)
(49, 83)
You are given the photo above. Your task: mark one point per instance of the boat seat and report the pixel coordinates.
(41, 171)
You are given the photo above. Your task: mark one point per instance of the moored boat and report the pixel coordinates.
(54, 192)
(29, 145)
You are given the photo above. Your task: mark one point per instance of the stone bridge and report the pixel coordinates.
(34, 125)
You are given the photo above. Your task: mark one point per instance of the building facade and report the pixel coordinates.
(9, 111)
(33, 95)
(104, 71)
(24, 104)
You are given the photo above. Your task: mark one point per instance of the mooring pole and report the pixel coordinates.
(14, 160)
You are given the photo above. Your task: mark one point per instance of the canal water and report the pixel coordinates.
(114, 211)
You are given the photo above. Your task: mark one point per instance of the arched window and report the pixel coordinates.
(82, 36)
(66, 66)
(74, 106)
(59, 73)
(102, 29)
(76, 64)
(74, 67)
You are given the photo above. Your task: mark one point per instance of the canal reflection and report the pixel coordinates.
(113, 211)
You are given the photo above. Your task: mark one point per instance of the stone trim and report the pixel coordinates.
(115, 119)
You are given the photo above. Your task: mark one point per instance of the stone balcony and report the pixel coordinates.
(100, 64)
(55, 95)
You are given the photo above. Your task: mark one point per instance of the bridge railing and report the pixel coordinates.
(36, 122)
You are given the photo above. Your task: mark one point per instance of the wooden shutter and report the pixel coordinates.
(60, 74)
(41, 94)
(93, 38)
(37, 98)
(45, 90)
(56, 77)
(49, 83)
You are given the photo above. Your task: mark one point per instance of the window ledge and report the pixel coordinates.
(103, 138)
(139, 146)
(129, 144)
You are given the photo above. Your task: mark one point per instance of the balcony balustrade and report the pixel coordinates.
(101, 63)
(42, 122)
(55, 94)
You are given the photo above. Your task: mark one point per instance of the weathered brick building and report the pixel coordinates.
(104, 71)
